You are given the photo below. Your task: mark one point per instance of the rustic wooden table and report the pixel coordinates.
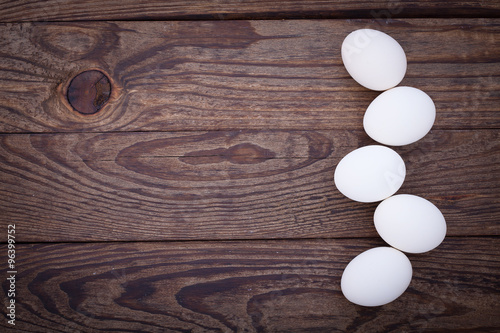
(184, 181)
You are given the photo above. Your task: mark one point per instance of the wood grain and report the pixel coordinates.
(219, 138)
(73, 10)
(226, 75)
(271, 286)
(229, 185)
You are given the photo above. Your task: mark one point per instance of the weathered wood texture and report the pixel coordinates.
(226, 75)
(74, 10)
(231, 130)
(272, 286)
(229, 185)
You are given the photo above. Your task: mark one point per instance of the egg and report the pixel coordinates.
(376, 277)
(373, 59)
(370, 173)
(399, 116)
(410, 223)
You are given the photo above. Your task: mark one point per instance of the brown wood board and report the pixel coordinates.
(177, 176)
(229, 185)
(225, 75)
(258, 286)
(92, 10)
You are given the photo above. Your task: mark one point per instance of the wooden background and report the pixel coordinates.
(200, 198)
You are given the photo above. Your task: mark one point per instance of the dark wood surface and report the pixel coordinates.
(229, 185)
(263, 286)
(231, 75)
(195, 192)
(86, 10)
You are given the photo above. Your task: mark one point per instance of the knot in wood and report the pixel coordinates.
(89, 91)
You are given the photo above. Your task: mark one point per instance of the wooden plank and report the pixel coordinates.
(222, 75)
(271, 286)
(229, 185)
(72, 10)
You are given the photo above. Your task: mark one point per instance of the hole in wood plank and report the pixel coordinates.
(89, 91)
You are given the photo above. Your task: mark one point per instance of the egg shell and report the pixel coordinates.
(370, 173)
(399, 116)
(376, 277)
(374, 59)
(410, 223)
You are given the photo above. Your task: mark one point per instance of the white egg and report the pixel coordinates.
(410, 223)
(370, 173)
(376, 277)
(374, 59)
(399, 116)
